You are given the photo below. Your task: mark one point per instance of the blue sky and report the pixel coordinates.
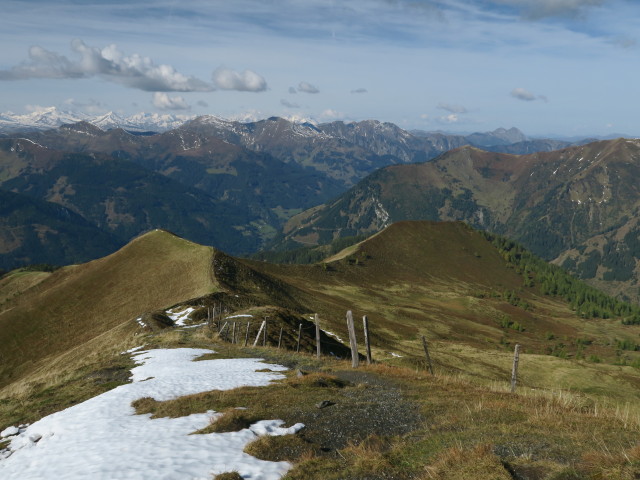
(548, 67)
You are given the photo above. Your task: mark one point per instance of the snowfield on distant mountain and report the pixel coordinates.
(103, 438)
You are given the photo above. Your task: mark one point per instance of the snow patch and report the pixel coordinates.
(103, 438)
(180, 316)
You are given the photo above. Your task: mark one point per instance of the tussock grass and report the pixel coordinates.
(456, 463)
(231, 420)
(228, 476)
(280, 448)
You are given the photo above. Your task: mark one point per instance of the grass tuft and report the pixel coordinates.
(228, 476)
(231, 420)
(280, 448)
(457, 462)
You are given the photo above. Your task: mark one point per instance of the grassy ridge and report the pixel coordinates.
(96, 302)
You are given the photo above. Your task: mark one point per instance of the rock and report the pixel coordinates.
(300, 373)
(324, 404)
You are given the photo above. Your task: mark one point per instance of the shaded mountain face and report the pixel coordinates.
(218, 182)
(578, 206)
(33, 231)
(116, 196)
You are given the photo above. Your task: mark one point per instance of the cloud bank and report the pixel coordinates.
(134, 71)
(247, 81)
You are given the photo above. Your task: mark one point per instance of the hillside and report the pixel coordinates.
(445, 281)
(469, 296)
(120, 198)
(33, 231)
(60, 317)
(576, 207)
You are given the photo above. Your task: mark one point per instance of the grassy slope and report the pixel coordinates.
(450, 292)
(84, 308)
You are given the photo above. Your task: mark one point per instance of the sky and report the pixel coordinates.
(547, 67)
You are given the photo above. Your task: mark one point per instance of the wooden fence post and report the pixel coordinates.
(299, 335)
(255, 343)
(514, 370)
(264, 334)
(365, 324)
(246, 336)
(233, 333)
(426, 352)
(317, 336)
(280, 338)
(355, 360)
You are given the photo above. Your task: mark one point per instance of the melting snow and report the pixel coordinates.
(103, 438)
(180, 316)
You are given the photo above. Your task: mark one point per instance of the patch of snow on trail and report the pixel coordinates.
(103, 438)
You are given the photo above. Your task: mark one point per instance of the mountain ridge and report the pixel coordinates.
(555, 203)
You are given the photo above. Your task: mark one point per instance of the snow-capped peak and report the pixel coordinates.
(50, 117)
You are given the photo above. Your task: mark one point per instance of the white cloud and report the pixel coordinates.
(164, 102)
(307, 88)
(292, 90)
(359, 90)
(247, 81)
(289, 104)
(133, 71)
(452, 108)
(525, 95)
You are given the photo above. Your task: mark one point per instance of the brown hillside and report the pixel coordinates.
(76, 305)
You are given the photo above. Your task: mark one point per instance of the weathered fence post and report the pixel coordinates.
(355, 361)
(514, 370)
(233, 333)
(280, 338)
(246, 336)
(317, 336)
(365, 324)
(426, 352)
(255, 343)
(299, 335)
(264, 334)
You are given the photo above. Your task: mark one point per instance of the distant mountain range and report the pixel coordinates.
(243, 186)
(51, 117)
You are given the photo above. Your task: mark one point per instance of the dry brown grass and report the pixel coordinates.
(457, 463)
(228, 476)
(231, 420)
(280, 448)
(80, 304)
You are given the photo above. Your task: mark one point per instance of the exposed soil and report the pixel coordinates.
(370, 406)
